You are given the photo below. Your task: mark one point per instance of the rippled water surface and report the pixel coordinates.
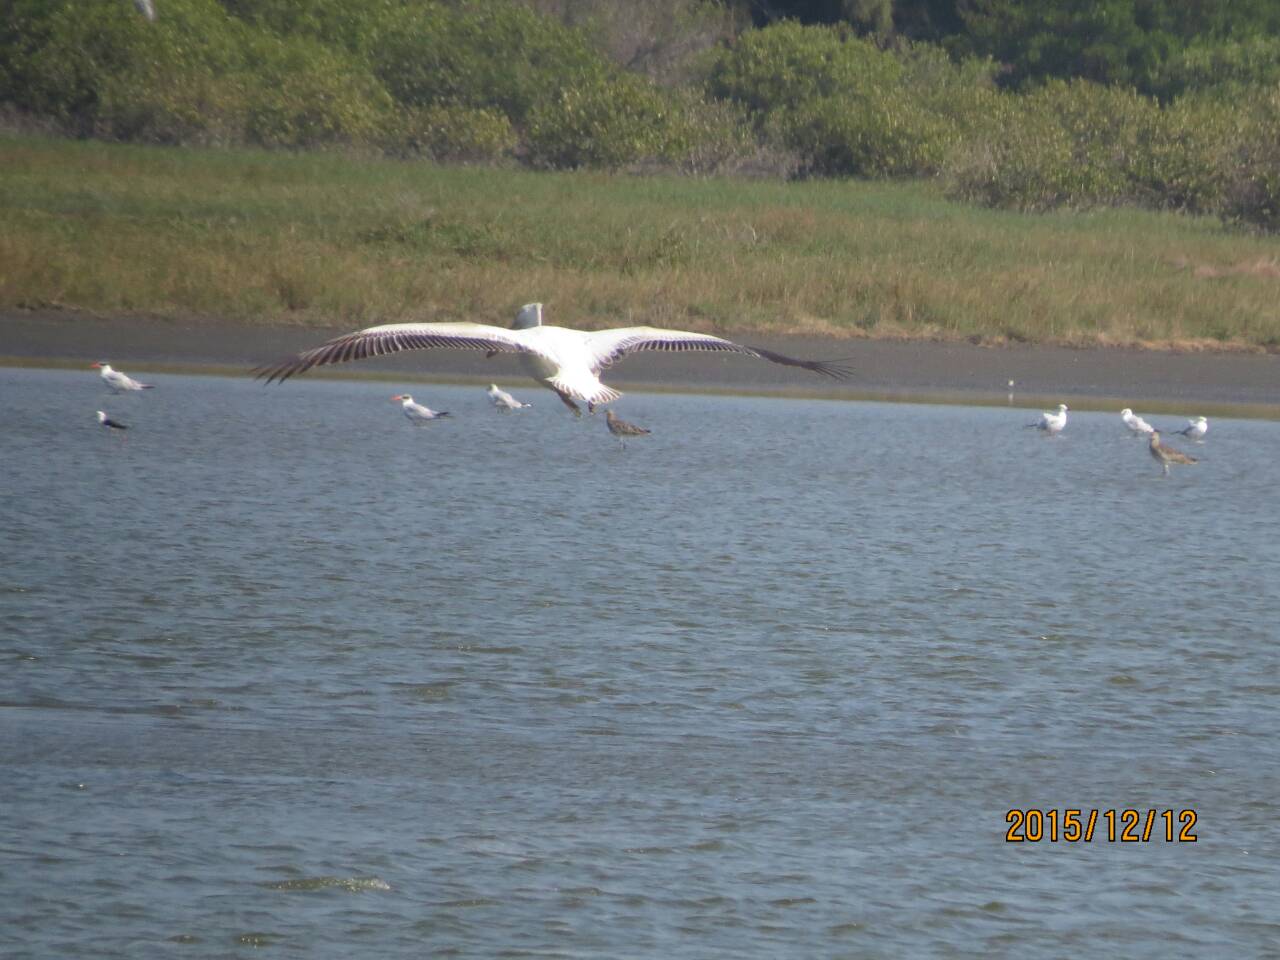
(280, 673)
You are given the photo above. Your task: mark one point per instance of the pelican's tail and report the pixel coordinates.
(593, 393)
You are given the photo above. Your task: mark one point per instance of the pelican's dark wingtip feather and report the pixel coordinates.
(836, 369)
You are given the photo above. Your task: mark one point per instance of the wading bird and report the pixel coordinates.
(621, 429)
(1166, 455)
(416, 412)
(108, 422)
(504, 401)
(118, 381)
(1052, 423)
(1195, 429)
(1135, 423)
(565, 361)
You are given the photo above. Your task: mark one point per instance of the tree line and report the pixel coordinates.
(1028, 104)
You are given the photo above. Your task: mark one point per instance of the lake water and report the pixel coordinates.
(280, 673)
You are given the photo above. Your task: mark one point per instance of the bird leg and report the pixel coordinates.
(568, 402)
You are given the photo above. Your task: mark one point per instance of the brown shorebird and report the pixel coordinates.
(621, 429)
(1166, 455)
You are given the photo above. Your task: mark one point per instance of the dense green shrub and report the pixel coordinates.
(599, 121)
(1079, 144)
(1252, 192)
(784, 66)
(305, 94)
(484, 54)
(882, 134)
(1226, 70)
(449, 133)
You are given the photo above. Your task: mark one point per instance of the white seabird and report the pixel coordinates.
(562, 359)
(504, 401)
(1195, 429)
(1052, 423)
(1135, 423)
(416, 412)
(118, 381)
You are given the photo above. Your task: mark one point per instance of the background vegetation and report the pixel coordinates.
(1019, 105)
(322, 237)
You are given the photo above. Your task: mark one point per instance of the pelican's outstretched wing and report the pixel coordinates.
(394, 338)
(609, 346)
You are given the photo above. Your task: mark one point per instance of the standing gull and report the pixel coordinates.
(563, 360)
(1135, 423)
(1195, 429)
(1166, 455)
(504, 401)
(1052, 423)
(621, 429)
(108, 422)
(416, 412)
(118, 381)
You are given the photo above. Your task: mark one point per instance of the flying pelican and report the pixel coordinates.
(416, 412)
(621, 429)
(118, 381)
(1052, 423)
(1135, 423)
(563, 360)
(504, 401)
(1195, 429)
(108, 422)
(1166, 455)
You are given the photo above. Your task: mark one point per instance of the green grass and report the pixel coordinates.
(325, 238)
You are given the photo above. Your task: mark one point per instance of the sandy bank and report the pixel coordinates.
(1246, 384)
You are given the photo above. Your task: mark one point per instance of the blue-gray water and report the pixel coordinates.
(281, 673)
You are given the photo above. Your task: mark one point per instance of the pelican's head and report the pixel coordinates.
(1201, 420)
(1126, 412)
(530, 315)
(1063, 408)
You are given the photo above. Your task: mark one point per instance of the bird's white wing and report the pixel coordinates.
(609, 346)
(395, 338)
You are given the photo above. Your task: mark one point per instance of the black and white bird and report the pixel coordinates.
(111, 424)
(1166, 455)
(621, 429)
(1195, 429)
(416, 412)
(1052, 423)
(565, 361)
(118, 381)
(504, 401)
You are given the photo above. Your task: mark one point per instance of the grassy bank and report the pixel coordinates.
(324, 238)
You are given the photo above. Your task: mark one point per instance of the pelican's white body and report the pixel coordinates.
(1135, 423)
(563, 360)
